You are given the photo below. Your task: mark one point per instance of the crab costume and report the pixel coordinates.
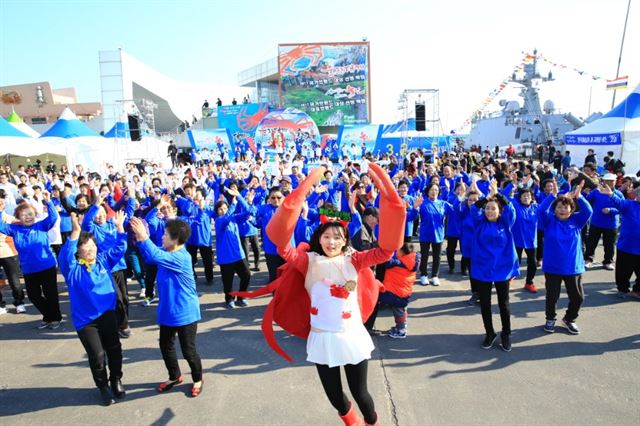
(325, 299)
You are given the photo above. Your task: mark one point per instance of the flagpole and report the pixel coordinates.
(624, 31)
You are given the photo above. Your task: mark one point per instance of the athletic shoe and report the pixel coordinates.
(550, 326)
(435, 281)
(424, 281)
(539, 263)
(124, 333)
(230, 305)
(43, 325)
(489, 340)
(588, 264)
(505, 342)
(609, 267)
(54, 325)
(20, 309)
(572, 327)
(3, 310)
(242, 303)
(145, 302)
(143, 294)
(634, 295)
(531, 288)
(374, 332)
(396, 333)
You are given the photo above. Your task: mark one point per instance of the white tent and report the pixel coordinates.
(617, 131)
(16, 121)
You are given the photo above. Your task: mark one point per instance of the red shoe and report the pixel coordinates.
(531, 288)
(166, 386)
(195, 391)
(352, 418)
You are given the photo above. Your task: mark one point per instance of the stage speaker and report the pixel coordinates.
(134, 128)
(420, 120)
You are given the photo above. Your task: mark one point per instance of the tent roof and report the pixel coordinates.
(68, 126)
(7, 129)
(119, 130)
(24, 128)
(629, 108)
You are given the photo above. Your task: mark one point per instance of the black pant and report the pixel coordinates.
(357, 381)
(466, 266)
(626, 265)
(100, 338)
(122, 301)
(42, 289)
(424, 254)
(207, 260)
(608, 241)
(540, 247)
(531, 262)
(11, 268)
(502, 288)
(273, 263)
(187, 337)
(255, 247)
(228, 270)
(452, 244)
(573, 284)
(151, 271)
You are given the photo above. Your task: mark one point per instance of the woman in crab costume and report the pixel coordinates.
(326, 290)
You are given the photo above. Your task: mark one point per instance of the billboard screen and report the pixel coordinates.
(328, 81)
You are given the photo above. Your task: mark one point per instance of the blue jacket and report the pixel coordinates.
(454, 222)
(629, 237)
(179, 304)
(228, 248)
(32, 242)
(65, 217)
(412, 215)
(493, 257)
(562, 250)
(200, 222)
(263, 216)
(247, 227)
(432, 214)
(466, 233)
(600, 201)
(525, 229)
(91, 290)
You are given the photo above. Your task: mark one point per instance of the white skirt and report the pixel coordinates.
(341, 348)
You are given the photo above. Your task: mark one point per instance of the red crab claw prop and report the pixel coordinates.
(393, 213)
(283, 223)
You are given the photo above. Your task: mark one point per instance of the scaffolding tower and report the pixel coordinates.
(407, 102)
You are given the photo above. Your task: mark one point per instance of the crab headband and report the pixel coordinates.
(328, 215)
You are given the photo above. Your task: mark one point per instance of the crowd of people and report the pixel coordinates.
(336, 224)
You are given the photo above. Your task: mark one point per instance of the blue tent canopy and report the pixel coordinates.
(7, 129)
(68, 126)
(629, 108)
(119, 130)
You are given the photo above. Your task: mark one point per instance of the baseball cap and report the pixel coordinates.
(609, 176)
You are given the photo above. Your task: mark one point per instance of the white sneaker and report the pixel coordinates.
(20, 309)
(609, 267)
(424, 281)
(142, 294)
(588, 264)
(435, 281)
(3, 310)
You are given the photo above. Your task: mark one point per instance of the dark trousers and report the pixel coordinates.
(466, 266)
(134, 262)
(436, 249)
(151, 271)
(187, 336)
(122, 302)
(502, 288)
(531, 262)
(608, 241)
(11, 268)
(206, 253)
(626, 265)
(357, 381)
(540, 239)
(42, 289)
(100, 338)
(573, 284)
(452, 245)
(273, 263)
(228, 270)
(255, 247)
(398, 307)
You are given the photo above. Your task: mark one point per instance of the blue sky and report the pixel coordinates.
(463, 48)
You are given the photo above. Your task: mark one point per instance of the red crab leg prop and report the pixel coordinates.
(393, 212)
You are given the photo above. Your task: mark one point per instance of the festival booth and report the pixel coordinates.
(147, 148)
(617, 131)
(80, 144)
(17, 147)
(16, 121)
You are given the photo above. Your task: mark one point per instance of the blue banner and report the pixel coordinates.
(211, 139)
(602, 139)
(356, 141)
(241, 120)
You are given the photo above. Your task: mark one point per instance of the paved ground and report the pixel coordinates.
(439, 375)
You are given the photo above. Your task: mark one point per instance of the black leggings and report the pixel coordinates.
(424, 254)
(42, 289)
(100, 337)
(466, 266)
(502, 288)
(12, 271)
(228, 270)
(273, 263)
(151, 272)
(253, 240)
(122, 300)
(452, 244)
(531, 262)
(357, 381)
(206, 252)
(187, 337)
